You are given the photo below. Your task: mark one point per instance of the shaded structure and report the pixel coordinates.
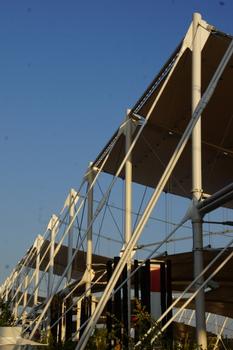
(177, 138)
(218, 294)
(170, 117)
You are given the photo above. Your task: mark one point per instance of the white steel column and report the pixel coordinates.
(6, 287)
(52, 228)
(12, 283)
(89, 233)
(6, 292)
(197, 185)
(70, 203)
(16, 302)
(78, 317)
(37, 268)
(70, 234)
(63, 322)
(25, 294)
(128, 209)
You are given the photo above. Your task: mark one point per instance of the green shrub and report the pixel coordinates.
(6, 318)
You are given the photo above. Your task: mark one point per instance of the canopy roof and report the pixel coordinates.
(218, 300)
(60, 261)
(170, 117)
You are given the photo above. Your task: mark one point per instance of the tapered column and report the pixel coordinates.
(53, 230)
(197, 184)
(128, 210)
(89, 233)
(39, 242)
(12, 290)
(6, 288)
(70, 234)
(25, 294)
(15, 286)
(78, 317)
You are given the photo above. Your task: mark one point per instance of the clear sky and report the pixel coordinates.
(68, 72)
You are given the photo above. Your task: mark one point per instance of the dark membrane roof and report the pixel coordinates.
(169, 119)
(60, 261)
(219, 300)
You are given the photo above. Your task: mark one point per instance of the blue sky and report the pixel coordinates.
(69, 70)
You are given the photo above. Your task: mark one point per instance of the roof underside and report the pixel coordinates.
(169, 119)
(60, 261)
(217, 301)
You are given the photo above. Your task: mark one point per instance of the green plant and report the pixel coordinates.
(99, 340)
(6, 318)
(142, 323)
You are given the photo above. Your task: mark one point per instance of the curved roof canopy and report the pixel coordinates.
(171, 115)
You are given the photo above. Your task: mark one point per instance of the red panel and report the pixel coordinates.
(155, 278)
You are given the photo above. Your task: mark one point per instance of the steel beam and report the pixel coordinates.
(197, 185)
(128, 211)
